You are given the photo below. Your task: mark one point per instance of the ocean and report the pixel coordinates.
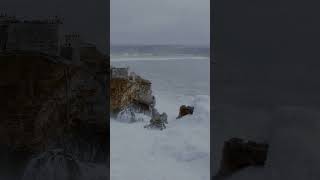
(180, 75)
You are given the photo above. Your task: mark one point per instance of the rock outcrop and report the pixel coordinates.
(130, 90)
(50, 102)
(158, 122)
(239, 154)
(185, 110)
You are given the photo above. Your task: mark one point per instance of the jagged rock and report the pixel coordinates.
(238, 154)
(49, 102)
(158, 122)
(154, 112)
(130, 90)
(164, 118)
(185, 110)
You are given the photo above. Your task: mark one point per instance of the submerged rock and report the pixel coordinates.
(238, 154)
(158, 122)
(164, 118)
(185, 110)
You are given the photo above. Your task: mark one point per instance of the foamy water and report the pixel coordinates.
(182, 150)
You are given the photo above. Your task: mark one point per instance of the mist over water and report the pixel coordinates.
(158, 51)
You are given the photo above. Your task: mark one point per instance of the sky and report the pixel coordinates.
(185, 22)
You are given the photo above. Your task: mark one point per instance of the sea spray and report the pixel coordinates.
(53, 165)
(182, 150)
(59, 165)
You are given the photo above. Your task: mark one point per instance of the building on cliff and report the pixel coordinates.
(52, 99)
(120, 72)
(71, 47)
(42, 36)
(30, 35)
(5, 20)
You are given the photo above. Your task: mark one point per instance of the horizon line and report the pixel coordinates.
(155, 44)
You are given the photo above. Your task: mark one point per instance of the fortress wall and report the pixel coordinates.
(3, 32)
(119, 72)
(3, 36)
(71, 47)
(34, 37)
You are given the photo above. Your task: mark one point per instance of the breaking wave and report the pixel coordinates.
(58, 165)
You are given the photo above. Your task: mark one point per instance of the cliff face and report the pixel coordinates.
(133, 91)
(50, 103)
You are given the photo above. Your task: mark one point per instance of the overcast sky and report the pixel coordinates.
(160, 22)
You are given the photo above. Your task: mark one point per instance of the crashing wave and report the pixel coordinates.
(53, 165)
(59, 165)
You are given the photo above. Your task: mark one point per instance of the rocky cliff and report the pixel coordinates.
(131, 91)
(50, 102)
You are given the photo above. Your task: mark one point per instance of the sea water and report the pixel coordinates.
(182, 150)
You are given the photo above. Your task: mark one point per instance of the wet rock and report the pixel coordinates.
(164, 118)
(238, 154)
(185, 110)
(130, 90)
(158, 122)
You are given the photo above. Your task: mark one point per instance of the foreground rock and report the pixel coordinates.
(185, 110)
(238, 154)
(158, 122)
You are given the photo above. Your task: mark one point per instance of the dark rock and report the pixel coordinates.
(48, 102)
(238, 154)
(185, 110)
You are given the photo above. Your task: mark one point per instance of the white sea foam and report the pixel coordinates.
(182, 150)
(58, 165)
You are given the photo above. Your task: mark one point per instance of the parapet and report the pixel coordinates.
(120, 72)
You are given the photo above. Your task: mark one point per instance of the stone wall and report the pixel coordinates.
(4, 21)
(71, 47)
(3, 36)
(119, 72)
